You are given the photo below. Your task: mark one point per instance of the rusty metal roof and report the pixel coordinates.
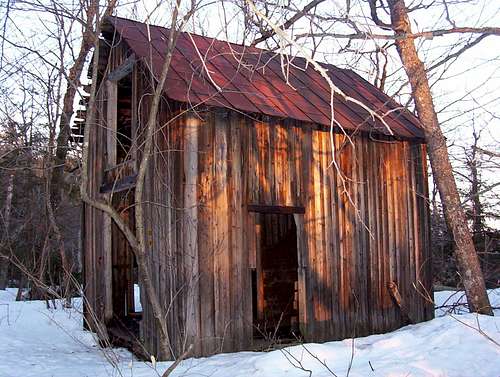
(253, 80)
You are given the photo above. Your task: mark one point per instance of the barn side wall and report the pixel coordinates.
(96, 227)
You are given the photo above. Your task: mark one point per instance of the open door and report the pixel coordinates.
(275, 279)
(127, 311)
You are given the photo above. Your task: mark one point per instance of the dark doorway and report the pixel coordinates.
(275, 280)
(127, 313)
(124, 273)
(124, 120)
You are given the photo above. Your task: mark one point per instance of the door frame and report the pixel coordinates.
(298, 216)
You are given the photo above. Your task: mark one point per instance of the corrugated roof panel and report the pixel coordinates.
(270, 86)
(226, 76)
(197, 89)
(315, 89)
(218, 74)
(387, 103)
(360, 92)
(256, 81)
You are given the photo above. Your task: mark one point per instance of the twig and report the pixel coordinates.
(174, 365)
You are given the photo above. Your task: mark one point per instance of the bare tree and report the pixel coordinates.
(60, 144)
(61, 60)
(60, 84)
(468, 261)
(73, 83)
(6, 220)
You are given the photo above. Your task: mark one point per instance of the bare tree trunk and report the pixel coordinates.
(475, 192)
(20, 289)
(39, 291)
(4, 272)
(467, 258)
(141, 253)
(62, 141)
(4, 263)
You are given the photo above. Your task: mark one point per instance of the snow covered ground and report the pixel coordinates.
(38, 342)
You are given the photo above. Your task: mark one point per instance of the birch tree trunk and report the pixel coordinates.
(468, 261)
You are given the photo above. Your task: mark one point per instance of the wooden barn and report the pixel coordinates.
(253, 235)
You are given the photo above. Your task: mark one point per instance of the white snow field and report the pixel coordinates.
(38, 342)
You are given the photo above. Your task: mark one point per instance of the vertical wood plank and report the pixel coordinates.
(190, 220)
(309, 233)
(108, 268)
(222, 251)
(239, 267)
(111, 123)
(327, 232)
(206, 234)
(301, 274)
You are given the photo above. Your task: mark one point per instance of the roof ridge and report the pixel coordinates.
(232, 43)
(187, 32)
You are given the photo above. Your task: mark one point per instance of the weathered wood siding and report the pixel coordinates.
(361, 230)
(97, 228)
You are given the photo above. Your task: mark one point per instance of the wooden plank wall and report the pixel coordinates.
(97, 229)
(361, 229)
(197, 172)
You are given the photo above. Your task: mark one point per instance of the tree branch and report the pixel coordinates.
(459, 52)
(374, 15)
(430, 34)
(297, 16)
(488, 153)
